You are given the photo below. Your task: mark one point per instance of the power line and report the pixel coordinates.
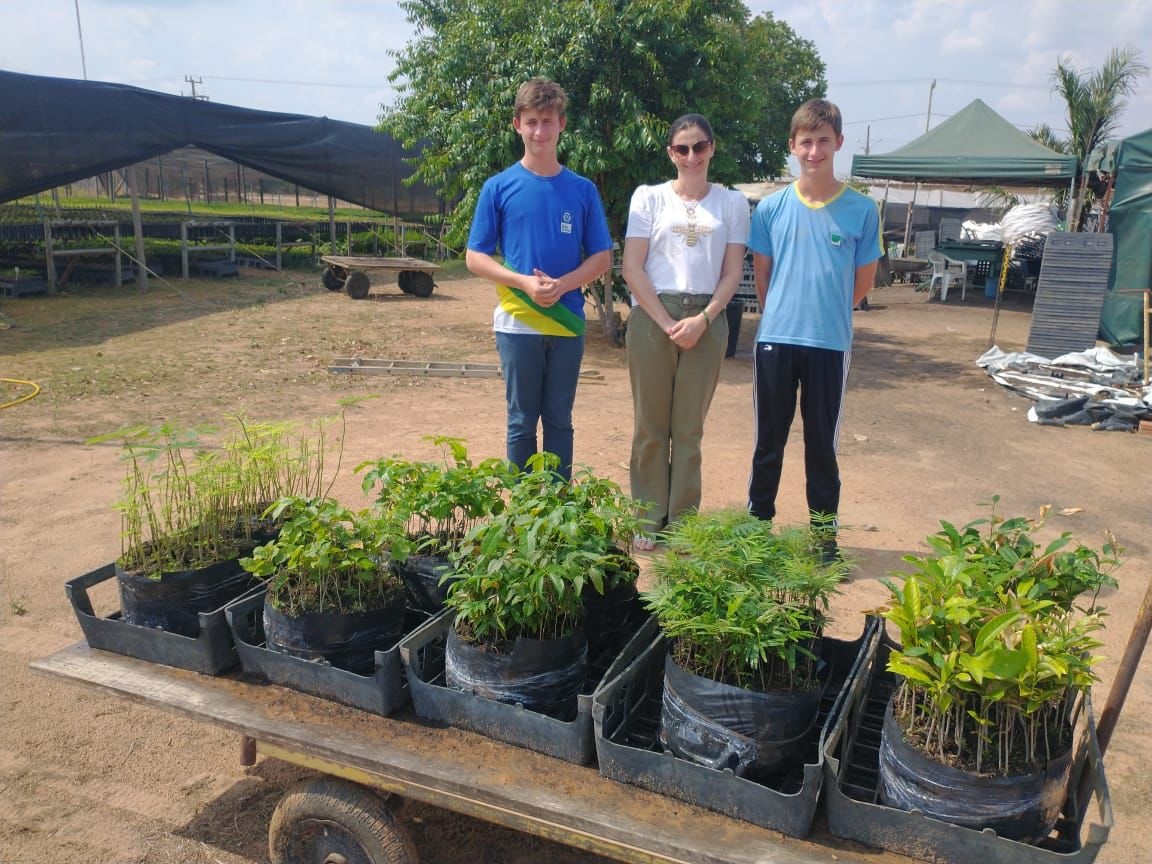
(341, 85)
(879, 119)
(1010, 84)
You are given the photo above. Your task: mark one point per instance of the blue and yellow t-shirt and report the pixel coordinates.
(539, 223)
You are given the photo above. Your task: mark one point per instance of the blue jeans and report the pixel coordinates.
(540, 377)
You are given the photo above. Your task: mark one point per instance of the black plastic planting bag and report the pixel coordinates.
(422, 575)
(607, 615)
(1022, 808)
(346, 640)
(173, 602)
(543, 675)
(724, 727)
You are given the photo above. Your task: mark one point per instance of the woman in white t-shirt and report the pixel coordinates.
(683, 258)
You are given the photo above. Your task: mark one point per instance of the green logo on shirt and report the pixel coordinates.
(836, 239)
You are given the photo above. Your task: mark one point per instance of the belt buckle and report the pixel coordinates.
(687, 301)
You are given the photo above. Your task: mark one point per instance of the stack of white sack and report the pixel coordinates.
(982, 230)
(1028, 220)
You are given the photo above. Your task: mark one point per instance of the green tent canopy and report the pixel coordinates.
(1130, 223)
(975, 146)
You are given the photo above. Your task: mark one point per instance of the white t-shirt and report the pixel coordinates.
(686, 243)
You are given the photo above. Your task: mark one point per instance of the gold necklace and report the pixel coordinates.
(690, 231)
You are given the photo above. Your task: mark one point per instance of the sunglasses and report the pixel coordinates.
(697, 148)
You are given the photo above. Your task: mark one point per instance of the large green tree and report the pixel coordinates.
(629, 69)
(1095, 99)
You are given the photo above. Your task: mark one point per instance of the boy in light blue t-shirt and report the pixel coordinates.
(815, 245)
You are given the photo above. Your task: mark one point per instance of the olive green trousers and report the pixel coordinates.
(672, 389)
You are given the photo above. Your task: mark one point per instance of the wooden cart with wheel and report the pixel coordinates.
(365, 764)
(349, 273)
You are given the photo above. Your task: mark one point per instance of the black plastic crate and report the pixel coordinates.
(573, 741)
(384, 691)
(627, 718)
(852, 778)
(210, 652)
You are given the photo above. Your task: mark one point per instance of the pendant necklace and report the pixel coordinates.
(691, 235)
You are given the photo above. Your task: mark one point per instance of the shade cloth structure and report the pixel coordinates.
(58, 130)
(1130, 223)
(975, 146)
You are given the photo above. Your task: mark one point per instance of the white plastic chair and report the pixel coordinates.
(944, 270)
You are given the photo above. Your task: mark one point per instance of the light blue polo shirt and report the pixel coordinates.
(815, 249)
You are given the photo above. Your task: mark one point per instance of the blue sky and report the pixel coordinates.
(331, 57)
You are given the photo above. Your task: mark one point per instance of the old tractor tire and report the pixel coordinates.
(357, 285)
(404, 280)
(328, 820)
(332, 279)
(420, 284)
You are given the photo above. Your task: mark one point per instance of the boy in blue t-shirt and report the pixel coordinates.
(548, 225)
(815, 245)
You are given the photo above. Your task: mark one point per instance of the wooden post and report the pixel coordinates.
(908, 219)
(117, 255)
(279, 237)
(207, 186)
(332, 224)
(130, 178)
(184, 249)
(1147, 336)
(49, 257)
(348, 228)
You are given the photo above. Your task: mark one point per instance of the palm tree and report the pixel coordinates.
(1095, 99)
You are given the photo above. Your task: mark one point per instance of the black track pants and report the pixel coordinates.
(819, 374)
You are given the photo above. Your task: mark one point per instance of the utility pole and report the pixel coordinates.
(868, 141)
(193, 82)
(916, 188)
(80, 33)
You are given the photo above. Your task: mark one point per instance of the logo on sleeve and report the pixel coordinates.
(566, 222)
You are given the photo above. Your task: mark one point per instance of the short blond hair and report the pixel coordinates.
(816, 113)
(540, 94)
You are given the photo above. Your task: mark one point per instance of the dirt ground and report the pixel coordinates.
(86, 777)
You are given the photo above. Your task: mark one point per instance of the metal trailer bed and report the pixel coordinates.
(359, 755)
(350, 274)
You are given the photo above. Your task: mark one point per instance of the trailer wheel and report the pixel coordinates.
(404, 280)
(356, 285)
(331, 279)
(420, 284)
(332, 821)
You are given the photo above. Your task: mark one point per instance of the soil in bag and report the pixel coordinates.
(757, 735)
(423, 577)
(1022, 808)
(610, 618)
(173, 602)
(543, 675)
(346, 640)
